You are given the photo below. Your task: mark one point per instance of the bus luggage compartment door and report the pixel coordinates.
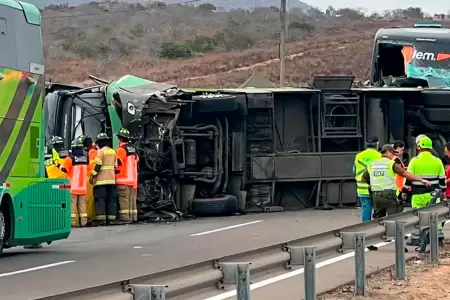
(47, 210)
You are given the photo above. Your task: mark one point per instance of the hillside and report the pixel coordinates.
(197, 46)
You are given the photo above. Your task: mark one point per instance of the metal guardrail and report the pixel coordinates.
(236, 269)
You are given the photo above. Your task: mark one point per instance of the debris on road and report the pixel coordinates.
(424, 281)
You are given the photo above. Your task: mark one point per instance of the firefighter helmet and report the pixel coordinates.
(123, 133)
(102, 137)
(76, 143)
(56, 141)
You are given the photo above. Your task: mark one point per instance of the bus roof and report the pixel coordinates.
(31, 12)
(412, 34)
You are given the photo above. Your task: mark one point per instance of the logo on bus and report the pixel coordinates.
(430, 56)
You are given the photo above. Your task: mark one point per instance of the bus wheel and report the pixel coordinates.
(2, 231)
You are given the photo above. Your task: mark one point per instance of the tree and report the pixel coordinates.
(175, 50)
(207, 7)
(330, 11)
(351, 14)
(297, 30)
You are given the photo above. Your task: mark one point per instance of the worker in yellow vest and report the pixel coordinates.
(58, 154)
(362, 162)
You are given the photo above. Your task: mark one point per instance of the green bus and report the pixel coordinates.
(33, 209)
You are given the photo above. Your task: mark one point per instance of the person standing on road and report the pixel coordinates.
(447, 173)
(429, 167)
(75, 166)
(362, 161)
(125, 177)
(399, 147)
(381, 175)
(103, 178)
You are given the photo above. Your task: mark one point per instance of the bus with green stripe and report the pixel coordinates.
(33, 209)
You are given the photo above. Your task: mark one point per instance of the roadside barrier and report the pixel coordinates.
(236, 269)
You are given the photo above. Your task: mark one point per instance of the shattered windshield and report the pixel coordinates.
(425, 59)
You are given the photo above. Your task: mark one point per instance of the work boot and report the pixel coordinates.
(117, 222)
(372, 248)
(96, 223)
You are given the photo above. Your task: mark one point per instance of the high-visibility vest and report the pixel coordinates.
(126, 154)
(362, 161)
(76, 167)
(106, 159)
(53, 171)
(382, 175)
(399, 180)
(136, 177)
(428, 167)
(92, 155)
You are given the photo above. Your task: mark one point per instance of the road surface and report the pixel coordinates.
(96, 256)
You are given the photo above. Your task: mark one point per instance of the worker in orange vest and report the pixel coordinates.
(399, 147)
(75, 166)
(125, 177)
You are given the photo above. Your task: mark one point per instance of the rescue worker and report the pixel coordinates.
(399, 147)
(92, 154)
(75, 166)
(381, 176)
(125, 178)
(362, 161)
(430, 167)
(103, 178)
(58, 154)
(447, 173)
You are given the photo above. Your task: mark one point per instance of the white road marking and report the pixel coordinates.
(226, 228)
(37, 268)
(137, 247)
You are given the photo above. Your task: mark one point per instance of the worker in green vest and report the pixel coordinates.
(362, 161)
(429, 167)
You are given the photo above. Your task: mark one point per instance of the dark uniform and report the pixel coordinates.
(381, 177)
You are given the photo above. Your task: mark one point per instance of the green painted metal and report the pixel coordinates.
(38, 212)
(31, 12)
(36, 209)
(124, 82)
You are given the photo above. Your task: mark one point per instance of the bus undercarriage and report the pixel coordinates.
(242, 150)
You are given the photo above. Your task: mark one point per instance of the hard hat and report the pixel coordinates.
(419, 137)
(124, 133)
(76, 143)
(102, 137)
(425, 143)
(56, 140)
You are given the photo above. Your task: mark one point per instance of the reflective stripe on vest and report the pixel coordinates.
(382, 177)
(362, 161)
(106, 157)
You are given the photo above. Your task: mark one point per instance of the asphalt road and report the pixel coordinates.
(95, 256)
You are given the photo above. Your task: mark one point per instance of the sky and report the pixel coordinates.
(429, 6)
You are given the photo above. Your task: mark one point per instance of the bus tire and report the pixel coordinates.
(2, 231)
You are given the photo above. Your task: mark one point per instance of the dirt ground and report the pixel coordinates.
(424, 282)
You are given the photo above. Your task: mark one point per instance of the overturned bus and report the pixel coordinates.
(221, 151)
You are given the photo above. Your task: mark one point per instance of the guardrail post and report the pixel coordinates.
(400, 250)
(238, 274)
(309, 274)
(243, 281)
(148, 292)
(434, 237)
(396, 230)
(360, 264)
(357, 241)
(306, 257)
